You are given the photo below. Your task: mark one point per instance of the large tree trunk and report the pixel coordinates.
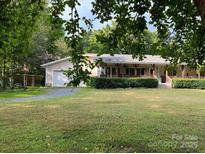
(200, 4)
(4, 75)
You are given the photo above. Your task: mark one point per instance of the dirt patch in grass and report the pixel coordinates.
(155, 106)
(52, 106)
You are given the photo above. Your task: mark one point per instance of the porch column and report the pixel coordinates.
(149, 72)
(166, 73)
(199, 75)
(117, 71)
(183, 71)
(99, 71)
(106, 71)
(154, 69)
(111, 72)
(24, 80)
(33, 80)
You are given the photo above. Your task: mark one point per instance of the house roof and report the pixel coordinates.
(56, 61)
(119, 59)
(128, 59)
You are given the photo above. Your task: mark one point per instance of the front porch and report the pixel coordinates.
(133, 70)
(157, 71)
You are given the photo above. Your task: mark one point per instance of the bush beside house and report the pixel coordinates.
(188, 83)
(106, 83)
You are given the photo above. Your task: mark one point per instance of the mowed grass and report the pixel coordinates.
(130, 120)
(17, 93)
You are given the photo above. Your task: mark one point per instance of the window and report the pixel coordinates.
(140, 71)
(108, 71)
(132, 72)
(127, 71)
(103, 72)
(114, 71)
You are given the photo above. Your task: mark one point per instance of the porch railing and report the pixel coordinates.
(128, 76)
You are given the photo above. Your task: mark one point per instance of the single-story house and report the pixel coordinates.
(119, 65)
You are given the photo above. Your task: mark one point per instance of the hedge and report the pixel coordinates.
(105, 83)
(189, 83)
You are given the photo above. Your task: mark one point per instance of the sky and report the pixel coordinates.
(85, 10)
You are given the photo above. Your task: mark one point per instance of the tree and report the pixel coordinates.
(93, 42)
(27, 38)
(47, 44)
(17, 22)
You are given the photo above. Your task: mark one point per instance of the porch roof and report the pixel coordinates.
(128, 59)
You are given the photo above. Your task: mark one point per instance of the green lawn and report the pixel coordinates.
(21, 93)
(131, 120)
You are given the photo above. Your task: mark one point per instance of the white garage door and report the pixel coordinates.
(59, 79)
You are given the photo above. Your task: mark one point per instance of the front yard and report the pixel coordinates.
(130, 120)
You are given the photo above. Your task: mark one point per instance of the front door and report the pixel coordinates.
(152, 72)
(164, 77)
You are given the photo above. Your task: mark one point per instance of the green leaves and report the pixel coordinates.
(47, 43)
(176, 21)
(130, 23)
(74, 35)
(17, 22)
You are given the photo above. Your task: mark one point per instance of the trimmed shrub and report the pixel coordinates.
(188, 83)
(105, 83)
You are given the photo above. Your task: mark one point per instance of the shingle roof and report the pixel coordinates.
(128, 59)
(120, 59)
(56, 61)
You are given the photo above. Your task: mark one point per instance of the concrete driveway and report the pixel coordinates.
(52, 93)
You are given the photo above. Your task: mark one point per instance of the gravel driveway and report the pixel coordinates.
(53, 93)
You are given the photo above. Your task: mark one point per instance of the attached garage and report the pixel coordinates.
(59, 79)
(54, 72)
